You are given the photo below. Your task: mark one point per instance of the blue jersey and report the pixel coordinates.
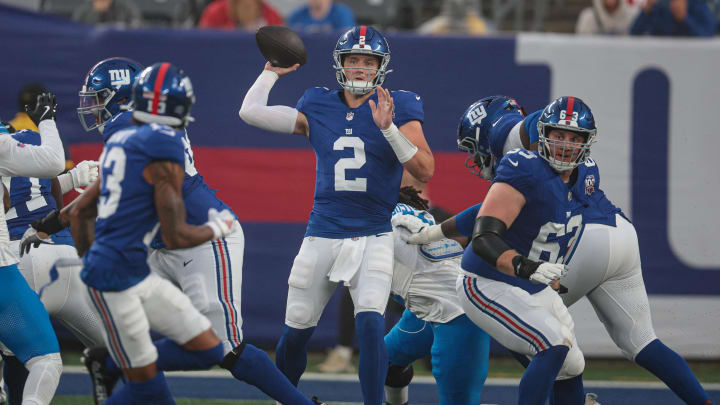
(197, 195)
(357, 176)
(127, 218)
(30, 198)
(595, 208)
(545, 226)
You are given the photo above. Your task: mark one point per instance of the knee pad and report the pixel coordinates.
(399, 376)
(300, 313)
(574, 364)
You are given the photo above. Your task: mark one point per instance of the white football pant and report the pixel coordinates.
(364, 264)
(606, 268)
(211, 276)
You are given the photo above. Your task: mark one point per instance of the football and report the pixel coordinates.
(281, 46)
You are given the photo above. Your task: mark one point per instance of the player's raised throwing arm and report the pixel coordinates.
(167, 178)
(277, 118)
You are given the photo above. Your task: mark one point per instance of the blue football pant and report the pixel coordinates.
(460, 352)
(24, 323)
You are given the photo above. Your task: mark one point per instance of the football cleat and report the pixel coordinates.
(316, 401)
(590, 399)
(103, 382)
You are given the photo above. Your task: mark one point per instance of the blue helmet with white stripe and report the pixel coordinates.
(163, 94)
(474, 132)
(361, 40)
(569, 114)
(106, 90)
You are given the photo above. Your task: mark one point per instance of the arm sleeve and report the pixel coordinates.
(255, 111)
(66, 182)
(465, 221)
(44, 161)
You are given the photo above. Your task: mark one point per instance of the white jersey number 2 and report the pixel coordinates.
(355, 162)
(108, 206)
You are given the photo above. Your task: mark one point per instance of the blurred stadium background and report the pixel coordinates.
(655, 100)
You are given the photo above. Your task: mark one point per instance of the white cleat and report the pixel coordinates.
(339, 360)
(590, 399)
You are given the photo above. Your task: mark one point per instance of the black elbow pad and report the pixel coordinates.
(487, 239)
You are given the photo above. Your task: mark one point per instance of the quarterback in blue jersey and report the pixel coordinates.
(363, 136)
(24, 323)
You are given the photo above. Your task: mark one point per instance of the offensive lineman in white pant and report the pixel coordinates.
(604, 263)
(24, 324)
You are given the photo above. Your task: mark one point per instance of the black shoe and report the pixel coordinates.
(102, 381)
(316, 401)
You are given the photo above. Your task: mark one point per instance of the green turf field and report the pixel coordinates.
(506, 367)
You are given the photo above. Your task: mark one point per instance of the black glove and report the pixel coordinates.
(524, 267)
(29, 239)
(45, 108)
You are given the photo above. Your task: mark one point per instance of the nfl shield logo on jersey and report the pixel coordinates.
(589, 184)
(350, 116)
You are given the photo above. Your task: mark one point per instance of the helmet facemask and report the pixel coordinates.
(577, 151)
(478, 163)
(360, 87)
(93, 111)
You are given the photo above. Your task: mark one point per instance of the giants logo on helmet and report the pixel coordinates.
(119, 77)
(476, 115)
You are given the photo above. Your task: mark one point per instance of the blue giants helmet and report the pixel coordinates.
(569, 114)
(474, 132)
(163, 94)
(364, 40)
(107, 88)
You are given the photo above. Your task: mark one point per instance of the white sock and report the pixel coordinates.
(43, 378)
(395, 396)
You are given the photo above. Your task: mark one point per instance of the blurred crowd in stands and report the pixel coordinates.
(432, 17)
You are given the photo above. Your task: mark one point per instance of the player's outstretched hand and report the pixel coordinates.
(426, 235)
(31, 239)
(221, 222)
(45, 108)
(409, 222)
(85, 173)
(281, 71)
(546, 273)
(382, 112)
